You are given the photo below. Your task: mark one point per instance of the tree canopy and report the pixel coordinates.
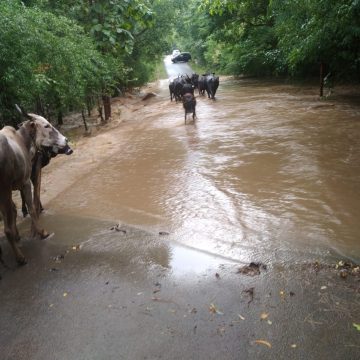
(56, 56)
(273, 37)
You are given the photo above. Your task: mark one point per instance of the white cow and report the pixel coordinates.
(17, 150)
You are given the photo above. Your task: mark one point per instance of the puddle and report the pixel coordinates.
(185, 261)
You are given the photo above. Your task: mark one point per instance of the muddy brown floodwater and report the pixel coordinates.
(267, 171)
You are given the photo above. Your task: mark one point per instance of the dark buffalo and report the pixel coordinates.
(195, 79)
(212, 83)
(189, 104)
(202, 84)
(187, 88)
(179, 84)
(172, 89)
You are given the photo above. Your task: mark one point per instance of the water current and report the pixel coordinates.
(267, 172)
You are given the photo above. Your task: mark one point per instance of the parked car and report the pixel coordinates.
(182, 57)
(175, 53)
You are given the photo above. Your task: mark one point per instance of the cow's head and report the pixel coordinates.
(47, 136)
(44, 134)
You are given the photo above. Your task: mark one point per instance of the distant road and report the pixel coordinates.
(173, 70)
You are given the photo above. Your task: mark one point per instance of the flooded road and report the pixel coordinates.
(267, 172)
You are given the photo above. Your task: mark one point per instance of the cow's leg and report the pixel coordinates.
(35, 228)
(10, 229)
(36, 180)
(23, 204)
(15, 230)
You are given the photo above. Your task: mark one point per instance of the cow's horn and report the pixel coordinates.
(22, 111)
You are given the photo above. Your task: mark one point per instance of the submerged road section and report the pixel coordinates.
(220, 239)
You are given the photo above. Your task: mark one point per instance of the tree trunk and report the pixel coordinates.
(321, 79)
(100, 110)
(107, 107)
(60, 118)
(84, 119)
(39, 107)
(89, 105)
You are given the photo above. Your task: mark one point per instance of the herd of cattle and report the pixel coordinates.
(23, 152)
(182, 89)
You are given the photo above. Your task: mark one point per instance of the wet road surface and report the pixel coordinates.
(267, 173)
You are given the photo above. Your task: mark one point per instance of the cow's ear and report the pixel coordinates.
(32, 127)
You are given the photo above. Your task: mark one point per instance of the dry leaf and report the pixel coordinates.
(263, 342)
(264, 316)
(214, 310)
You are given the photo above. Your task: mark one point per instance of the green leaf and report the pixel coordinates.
(357, 326)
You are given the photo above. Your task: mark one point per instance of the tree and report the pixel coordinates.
(47, 63)
(313, 32)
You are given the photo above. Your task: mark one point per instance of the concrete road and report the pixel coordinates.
(107, 293)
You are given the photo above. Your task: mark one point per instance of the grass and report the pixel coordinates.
(159, 71)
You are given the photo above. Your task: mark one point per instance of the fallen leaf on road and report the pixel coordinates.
(252, 269)
(357, 326)
(263, 342)
(264, 316)
(65, 294)
(214, 310)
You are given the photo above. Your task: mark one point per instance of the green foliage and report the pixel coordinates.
(310, 32)
(56, 55)
(46, 60)
(272, 37)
